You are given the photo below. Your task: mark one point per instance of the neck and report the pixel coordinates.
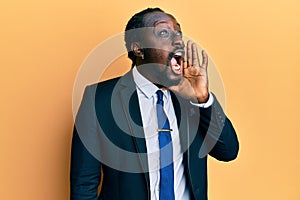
(146, 71)
(160, 86)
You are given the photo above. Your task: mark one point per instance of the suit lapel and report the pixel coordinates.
(130, 104)
(177, 108)
(180, 108)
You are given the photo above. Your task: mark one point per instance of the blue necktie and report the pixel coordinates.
(166, 187)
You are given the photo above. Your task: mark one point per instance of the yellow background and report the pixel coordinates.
(255, 45)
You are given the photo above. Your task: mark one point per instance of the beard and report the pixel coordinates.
(170, 79)
(157, 68)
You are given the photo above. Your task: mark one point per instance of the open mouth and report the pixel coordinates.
(176, 62)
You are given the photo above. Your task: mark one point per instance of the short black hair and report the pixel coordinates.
(135, 22)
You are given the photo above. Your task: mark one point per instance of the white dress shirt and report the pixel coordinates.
(147, 96)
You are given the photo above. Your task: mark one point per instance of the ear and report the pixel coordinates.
(137, 50)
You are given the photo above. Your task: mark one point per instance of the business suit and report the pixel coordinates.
(109, 114)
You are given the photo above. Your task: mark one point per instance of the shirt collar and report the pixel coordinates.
(146, 86)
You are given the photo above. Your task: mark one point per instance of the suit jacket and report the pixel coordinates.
(108, 145)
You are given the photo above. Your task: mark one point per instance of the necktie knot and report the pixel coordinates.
(160, 97)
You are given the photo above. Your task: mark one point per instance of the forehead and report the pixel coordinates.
(155, 18)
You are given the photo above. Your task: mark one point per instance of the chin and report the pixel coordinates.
(172, 81)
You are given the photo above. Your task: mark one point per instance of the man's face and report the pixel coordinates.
(163, 49)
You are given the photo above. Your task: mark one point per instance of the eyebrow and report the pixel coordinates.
(164, 22)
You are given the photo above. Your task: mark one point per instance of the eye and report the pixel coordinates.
(164, 33)
(178, 33)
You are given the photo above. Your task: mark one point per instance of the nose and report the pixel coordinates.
(177, 41)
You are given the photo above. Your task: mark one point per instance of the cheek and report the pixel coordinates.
(159, 55)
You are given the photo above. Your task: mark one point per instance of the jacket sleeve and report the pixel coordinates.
(220, 139)
(85, 168)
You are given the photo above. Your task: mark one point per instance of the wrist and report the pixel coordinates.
(203, 98)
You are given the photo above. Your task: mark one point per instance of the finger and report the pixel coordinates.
(185, 61)
(189, 54)
(204, 59)
(195, 55)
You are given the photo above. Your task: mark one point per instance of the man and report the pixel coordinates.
(147, 135)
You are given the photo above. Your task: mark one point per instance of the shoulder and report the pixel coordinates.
(103, 87)
(104, 84)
